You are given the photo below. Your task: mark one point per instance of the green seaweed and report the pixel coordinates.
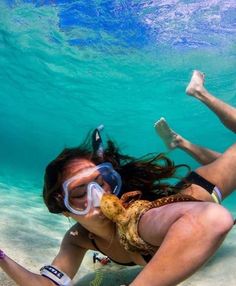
(97, 281)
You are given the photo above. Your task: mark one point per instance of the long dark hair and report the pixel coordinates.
(146, 174)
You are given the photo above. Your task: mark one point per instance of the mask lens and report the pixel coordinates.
(78, 197)
(111, 177)
(79, 190)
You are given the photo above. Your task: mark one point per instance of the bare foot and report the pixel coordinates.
(169, 137)
(196, 84)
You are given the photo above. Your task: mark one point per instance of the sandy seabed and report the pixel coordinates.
(218, 271)
(31, 236)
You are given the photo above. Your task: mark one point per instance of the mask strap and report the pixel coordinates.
(97, 142)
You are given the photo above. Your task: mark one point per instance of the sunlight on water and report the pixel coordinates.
(55, 88)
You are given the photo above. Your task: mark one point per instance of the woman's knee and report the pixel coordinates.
(219, 219)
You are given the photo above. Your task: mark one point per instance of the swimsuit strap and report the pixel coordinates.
(147, 257)
(195, 178)
(95, 245)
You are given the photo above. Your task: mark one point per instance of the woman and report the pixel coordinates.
(183, 233)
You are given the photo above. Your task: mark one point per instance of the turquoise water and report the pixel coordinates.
(68, 66)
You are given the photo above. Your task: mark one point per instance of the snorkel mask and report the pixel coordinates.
(84, 190)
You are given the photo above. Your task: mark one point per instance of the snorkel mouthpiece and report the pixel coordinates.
(95, 193)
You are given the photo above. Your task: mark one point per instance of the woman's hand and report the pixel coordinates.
(21, 275)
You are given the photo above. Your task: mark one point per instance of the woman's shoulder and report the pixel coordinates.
(77, 235)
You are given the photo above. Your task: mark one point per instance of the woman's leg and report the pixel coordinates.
(225, 112)
(222, 172)
(173, 140)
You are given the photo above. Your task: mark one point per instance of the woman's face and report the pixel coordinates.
(79, 174)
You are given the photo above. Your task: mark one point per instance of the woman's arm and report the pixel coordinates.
(189, 233)
(21, 275)
(68, 261)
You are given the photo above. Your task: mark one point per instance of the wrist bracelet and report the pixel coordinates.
(2, 254)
